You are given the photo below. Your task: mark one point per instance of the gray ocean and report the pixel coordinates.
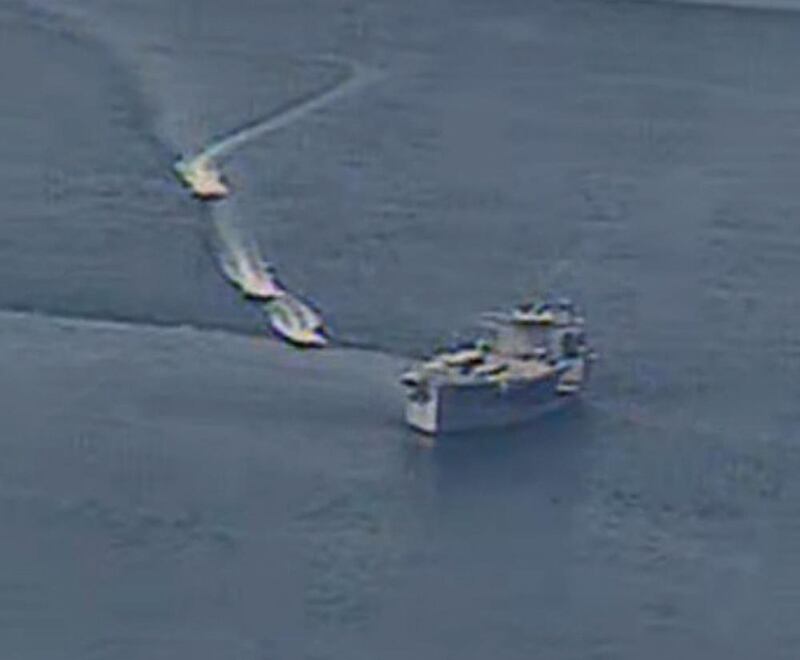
(174, 483)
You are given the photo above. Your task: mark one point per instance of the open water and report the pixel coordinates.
(176, 484)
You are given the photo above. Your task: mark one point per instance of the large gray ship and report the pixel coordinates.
(535, 359)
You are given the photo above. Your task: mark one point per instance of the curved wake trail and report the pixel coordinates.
(240, 259)
(236, 250)
(360, 76)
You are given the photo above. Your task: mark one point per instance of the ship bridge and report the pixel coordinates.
(548, 331)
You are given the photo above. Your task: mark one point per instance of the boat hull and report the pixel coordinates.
(454, 408)
(296, 322)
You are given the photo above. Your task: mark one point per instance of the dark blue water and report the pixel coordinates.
(175, 484)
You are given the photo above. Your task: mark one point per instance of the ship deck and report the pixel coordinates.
(515, 369)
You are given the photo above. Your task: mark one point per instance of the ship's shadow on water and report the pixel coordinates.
(510, 500)
(545, 458)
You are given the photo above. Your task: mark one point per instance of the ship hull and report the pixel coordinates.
(448, 408)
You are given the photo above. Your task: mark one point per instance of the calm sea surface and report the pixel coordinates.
(174, 484)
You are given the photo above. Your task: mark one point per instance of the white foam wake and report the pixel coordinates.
(360, 76)
(242, 264)
(239, 257)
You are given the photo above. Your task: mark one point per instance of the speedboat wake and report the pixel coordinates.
(291, 318)
(202, 176)
(360, 76)
(240, 261)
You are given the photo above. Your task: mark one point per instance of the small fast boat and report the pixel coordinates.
(296, 322)
(254, 281)
(202, 178)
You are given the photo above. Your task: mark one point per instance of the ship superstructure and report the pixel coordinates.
(536, 358)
